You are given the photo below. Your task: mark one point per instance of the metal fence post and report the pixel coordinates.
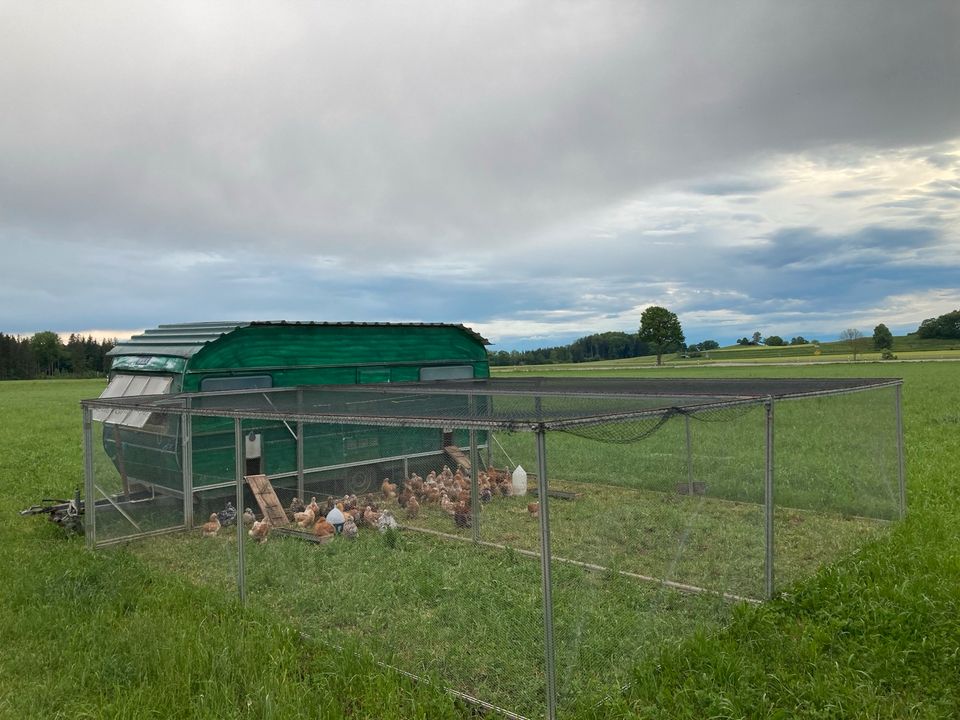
(488, 411)
(186, 462)
(474, 484)
(686, 421)
(90, 500)
(300, 490)
(545, 576)
(474, 471)
(768, 505)
(901, 459)
(239, 455)
(300, 459)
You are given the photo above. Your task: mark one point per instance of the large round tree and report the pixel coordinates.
(661, 328)
(882, 337)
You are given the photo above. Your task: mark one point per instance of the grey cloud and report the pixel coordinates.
(368, 130)
(948, 189)
(799, 246)
(733, 186)
(858, 193)
(943, 160)
(914, 203)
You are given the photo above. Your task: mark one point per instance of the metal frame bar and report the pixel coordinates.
(300, 489)
(445, 388)
(343, 466)
(901, 455)
(474, 473)
(768, 505)
(239, 456)
(686, 423)
(186, 452)
(520, 425)
(300, 469)
(90, 507)
(550, 669)
(481, 387)
(474, 485)
(141, 535)
(116, 506)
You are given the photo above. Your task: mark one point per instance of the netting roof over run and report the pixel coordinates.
(511, 404)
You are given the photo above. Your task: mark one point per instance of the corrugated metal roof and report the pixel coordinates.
(179, 340)
(186, 339)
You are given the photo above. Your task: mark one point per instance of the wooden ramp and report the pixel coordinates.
(457, 455)
(267, 500)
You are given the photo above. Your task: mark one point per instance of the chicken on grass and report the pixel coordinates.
(211, 527)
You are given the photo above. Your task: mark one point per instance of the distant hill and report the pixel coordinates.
(905, 346)
(901, 343)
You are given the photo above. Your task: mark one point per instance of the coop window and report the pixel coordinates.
(447, 372)
(123, 385)
(241, 382)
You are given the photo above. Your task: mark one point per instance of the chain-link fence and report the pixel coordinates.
(523, 547)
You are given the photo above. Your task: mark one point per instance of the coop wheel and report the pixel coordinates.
(361, 480)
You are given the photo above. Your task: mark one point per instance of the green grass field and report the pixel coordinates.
(127, 633)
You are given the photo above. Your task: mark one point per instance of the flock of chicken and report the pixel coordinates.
(448, 490)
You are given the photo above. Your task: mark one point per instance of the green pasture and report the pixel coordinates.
(905, 347)
(152, 629)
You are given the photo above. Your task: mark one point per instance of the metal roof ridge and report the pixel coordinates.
(204, 332)
(363, 323)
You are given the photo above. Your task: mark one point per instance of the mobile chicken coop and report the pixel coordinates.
(654, 506)
(202, 358)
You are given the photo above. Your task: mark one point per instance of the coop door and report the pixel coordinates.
(253, 451)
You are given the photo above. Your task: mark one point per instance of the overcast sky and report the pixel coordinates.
(536, 170)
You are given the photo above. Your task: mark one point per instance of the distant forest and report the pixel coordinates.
(602, 346)
(44, 355)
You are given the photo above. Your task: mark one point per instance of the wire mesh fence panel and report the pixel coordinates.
(641, 543)
(836, 478)
(204, 550)
(668, 505)
(395, 572)
(137, 476)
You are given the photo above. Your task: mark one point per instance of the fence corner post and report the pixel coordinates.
(545, 558)
(239, 456)
(901, 455)
(768, 504)
(89, 500)
(186, 462)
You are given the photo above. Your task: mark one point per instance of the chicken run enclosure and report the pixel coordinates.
(652, 509)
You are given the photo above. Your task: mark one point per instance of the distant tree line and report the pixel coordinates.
(775, 340)
(946, 326)
(45, 355)
(601, 346)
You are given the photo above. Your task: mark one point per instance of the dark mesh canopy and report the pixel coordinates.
(510, 404)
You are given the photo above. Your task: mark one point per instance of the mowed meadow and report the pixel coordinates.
(112, 634)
